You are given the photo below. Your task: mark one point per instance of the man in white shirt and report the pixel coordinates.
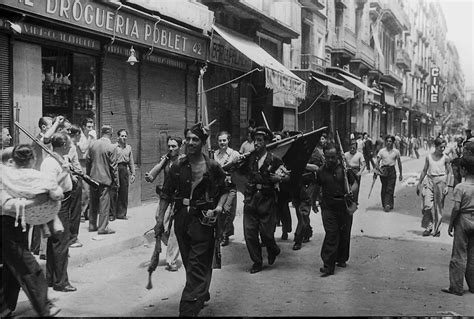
(57, 253)
(386, 159)
(225, 155)
(88, 136)
(355, 162)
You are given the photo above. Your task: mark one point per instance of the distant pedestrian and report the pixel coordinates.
(462, 222)
(356, 163)
(368, 152)
(317, 159)
(102, 167)
(248, 145)
(455, 155)
(6, 138)
(223, 156)
(387, 157)
(126, 173)
(88, 136)
(336, 221)
(435, 188)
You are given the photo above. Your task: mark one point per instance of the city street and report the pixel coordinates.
(393, 270)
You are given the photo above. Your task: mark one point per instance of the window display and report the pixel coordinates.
(69, 84)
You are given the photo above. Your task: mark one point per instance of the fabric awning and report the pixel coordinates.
(335, 89)
(359, 84)
(389, 96)
(277, 76)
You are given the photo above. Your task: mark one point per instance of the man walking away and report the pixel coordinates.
(102, 167)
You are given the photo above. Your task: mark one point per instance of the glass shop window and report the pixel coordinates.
(69, 85)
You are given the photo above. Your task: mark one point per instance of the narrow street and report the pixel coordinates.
(393, 271)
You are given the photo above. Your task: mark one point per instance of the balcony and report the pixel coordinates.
(403, 60)
(375, 9)
(313, 63)
(364, 54)
(393, 75)
(312, 5)
(345, 42)
(397, 14)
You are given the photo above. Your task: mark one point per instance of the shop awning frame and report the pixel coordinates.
(335, 89)
(359, 84)
(277, 76)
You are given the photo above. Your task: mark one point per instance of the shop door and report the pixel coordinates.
(163, 114)
(120, 109)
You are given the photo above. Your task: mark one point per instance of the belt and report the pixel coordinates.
(123, 163)
(436, 175)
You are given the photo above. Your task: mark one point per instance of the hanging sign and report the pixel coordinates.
(434, 91)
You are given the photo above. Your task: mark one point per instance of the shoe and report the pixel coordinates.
(272, 257)
(426, 233)
(111, 218)
(284, 236)
(437, 234)
(53, 311)
(108, 231)
(124, 218)
(326, 272)
(172, 268)
(92, 228)
(341, 264)
(75, 245)
(225, 241)
(256, 268)
(297, 246)
(306, 239)
(67, 288)
(386, 208)
(450, 291)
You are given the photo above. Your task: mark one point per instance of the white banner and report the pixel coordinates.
(280, 82)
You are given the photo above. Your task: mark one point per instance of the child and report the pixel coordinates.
(462, 221)
(22, 181)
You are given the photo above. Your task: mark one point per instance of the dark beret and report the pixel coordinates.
(199, 130)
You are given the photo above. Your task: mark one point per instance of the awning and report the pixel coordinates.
(335, 89)
(359, 84)
(389, 96)
(277, 76)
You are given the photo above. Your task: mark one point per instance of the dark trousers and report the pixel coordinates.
(20, 269)
(36, 239)
(456, 174)
(388, 186)
(100, 205)
(369, 160)
(120, 199)
(260, 221)
(228, 216)
(303, 210)
(337, 225)
(283, 211)
(196, 244)
(58, 249)
(76, 206)
(462, 258)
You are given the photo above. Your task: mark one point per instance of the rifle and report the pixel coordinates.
(59, 159)
(351, 204)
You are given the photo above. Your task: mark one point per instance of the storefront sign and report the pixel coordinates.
(284, 100)
(60, 36)
(284, 83)
(118, 22)
(222, 52)
(434, 91)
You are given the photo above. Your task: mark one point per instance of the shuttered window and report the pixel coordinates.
(5, 84)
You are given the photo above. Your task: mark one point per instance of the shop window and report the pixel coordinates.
(69, 84)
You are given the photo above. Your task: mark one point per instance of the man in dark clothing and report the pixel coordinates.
(197, 187)
(336, 221)
(263, 170)
(368, 151)
(302, 205)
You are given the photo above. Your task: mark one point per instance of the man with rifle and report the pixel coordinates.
(196, 185)
(337, 221)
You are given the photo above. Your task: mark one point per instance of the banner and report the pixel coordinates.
(281, 82)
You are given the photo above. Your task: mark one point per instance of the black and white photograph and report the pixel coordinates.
(237, 158)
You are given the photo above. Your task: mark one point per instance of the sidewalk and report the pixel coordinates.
(130, 233)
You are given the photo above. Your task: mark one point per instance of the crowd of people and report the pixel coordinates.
(198, 200)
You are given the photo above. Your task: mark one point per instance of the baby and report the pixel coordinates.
(20, 181)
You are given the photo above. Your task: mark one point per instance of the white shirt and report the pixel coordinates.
(52, 167)
(355, 160)
(227, 156)
(388, 158)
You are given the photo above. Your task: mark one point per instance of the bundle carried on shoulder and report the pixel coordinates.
(27, 183)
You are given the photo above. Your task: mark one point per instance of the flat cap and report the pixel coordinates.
(267, 134)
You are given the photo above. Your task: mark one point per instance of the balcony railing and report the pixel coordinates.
(345, 40)
(398, 12)
(313, 63)
(395, 73)
(403, 60)
(365, 53)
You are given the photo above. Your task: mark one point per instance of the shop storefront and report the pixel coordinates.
(71, 59)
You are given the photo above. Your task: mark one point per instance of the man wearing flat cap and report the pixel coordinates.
(264, 171)
(196, 185)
